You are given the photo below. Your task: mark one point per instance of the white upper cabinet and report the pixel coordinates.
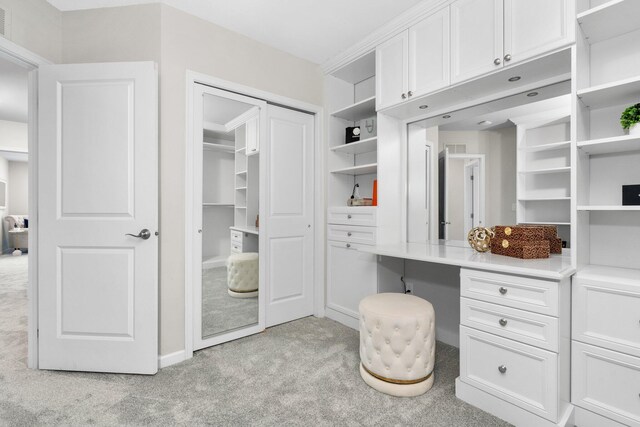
(429, 68)
(534, 27)
(253, 136)
(476, 37)
(391, 71)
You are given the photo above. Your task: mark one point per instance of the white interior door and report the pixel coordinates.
(98, 181)
(290, 216)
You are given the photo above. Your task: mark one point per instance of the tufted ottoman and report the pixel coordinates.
(397, 344)
(242, 275)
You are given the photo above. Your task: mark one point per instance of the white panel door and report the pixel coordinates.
(476, 38)
(392, 60)
(98, 181)
(534, 27)
(290, 215)
(429, 54)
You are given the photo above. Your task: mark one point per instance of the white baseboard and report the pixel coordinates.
(346, 320)
(171, 359)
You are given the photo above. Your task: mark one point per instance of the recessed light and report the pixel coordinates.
(515, 78)
(423, 107)
(485, 123)
(446, 116)
(532, 94)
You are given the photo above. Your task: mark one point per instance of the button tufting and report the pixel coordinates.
(387, 341)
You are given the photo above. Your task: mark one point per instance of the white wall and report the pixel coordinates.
(4, 176)
(18, 188)
(13, 136)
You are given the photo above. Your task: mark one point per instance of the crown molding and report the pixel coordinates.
(395, 26)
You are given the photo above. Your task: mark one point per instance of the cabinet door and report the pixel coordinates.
(253, 136)
(351, 276)
(391, 71)
(429, 54)
(535, 27)
(476, 38)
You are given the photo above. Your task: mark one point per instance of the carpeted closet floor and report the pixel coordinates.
(304, 373)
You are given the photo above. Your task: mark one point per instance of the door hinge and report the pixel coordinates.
(472, 216)
(471, 177)
(37, 333)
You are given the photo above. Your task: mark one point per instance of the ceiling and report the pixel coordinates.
(315, 30)
(14, 95)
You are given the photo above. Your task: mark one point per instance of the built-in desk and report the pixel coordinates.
(510, 318)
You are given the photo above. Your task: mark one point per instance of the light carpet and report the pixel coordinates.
(303, 373)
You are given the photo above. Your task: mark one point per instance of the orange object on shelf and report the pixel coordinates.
(375, 192)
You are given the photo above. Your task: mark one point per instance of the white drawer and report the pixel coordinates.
(236, 236)
(607, 314)
(352, 234)
(363, 215)
(529, 328)
(606, 382)
(517, 373)
(236, 248)
(540, 296)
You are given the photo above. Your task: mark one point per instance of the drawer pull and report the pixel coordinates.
(503, 290)
(349, 216)
(348, 245)
(503, 322)
(349, 234)
(502, 369)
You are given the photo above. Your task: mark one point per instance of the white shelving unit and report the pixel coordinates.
(247, 188)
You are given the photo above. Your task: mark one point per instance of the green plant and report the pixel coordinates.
(630, 116)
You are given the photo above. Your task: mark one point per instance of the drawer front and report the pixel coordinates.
(236, 236)
(353, 216)
(607, 314)
(517, 373)
(606, 382)
(523, 326)
(352, 234)
(236, 248)
(539, 296)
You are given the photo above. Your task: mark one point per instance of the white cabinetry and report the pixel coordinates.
(253, 136)
(392, 65)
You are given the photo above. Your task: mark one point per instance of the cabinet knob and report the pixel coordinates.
(503, 290)
(200, 230)
(349, 234)
(403, 96)
(349, 216)
(507, 57)
(503, 322)
(502, 369)
(410, 93)
(497, 61)
(348, 245)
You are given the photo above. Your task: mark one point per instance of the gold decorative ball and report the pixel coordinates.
(480, 238)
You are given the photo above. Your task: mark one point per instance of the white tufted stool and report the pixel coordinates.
(242, 275)
(397, 344)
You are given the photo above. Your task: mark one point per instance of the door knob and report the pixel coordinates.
(502, 369)
(503, 322)
(404, 96)
(507, 57)
(497, 61)
(503, 290)
(144, 234)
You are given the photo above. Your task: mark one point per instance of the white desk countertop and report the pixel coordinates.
(246, 229)
(557, 267)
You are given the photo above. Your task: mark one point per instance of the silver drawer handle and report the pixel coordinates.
(349, 234)
(503, 322)
(502, 369)
(348, 245)
(503, 290)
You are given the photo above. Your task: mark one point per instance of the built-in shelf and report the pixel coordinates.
(218, 147)
(608, 208)
(368, 145)
(545, 223)
(548, 147)
(241, 188)
(619, 144)
(609, 20)
(241, 207)
(241, 173)
(358, 170)
(565, 169)
(224, 205)
(602, 272)
(358, 111)
(241, 150)
(246, 229)
(625, 91)
(543, 199)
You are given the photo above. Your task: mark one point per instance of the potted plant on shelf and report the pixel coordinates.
(630, 119)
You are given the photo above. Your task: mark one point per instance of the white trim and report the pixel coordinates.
(398, 24)
(192, 78)
(241, 119)
(171, 359)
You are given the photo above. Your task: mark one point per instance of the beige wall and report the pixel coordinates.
(18, 188)
(4, 176)
(197, 45)
(13, 136)
(36, 26)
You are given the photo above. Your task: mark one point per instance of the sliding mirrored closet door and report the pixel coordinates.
(226, 195)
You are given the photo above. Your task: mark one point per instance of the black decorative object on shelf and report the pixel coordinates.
(631, 195)
(352, 134)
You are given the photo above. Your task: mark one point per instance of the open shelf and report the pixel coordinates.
(241, 188)
(241, 207)
(358, 111)
(609, 20)
(548, 147)
(545, 223)
(612, 208)
(618, 144)
(565, 169)
(368, 145)
(358, 170)
(241, 173)
(625, 91)
(224, 205)
(241, 150)
(218, 147)
(543, 199)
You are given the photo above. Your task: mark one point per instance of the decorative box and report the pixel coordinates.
(523, 249)
(550, 234)
(517, 232)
